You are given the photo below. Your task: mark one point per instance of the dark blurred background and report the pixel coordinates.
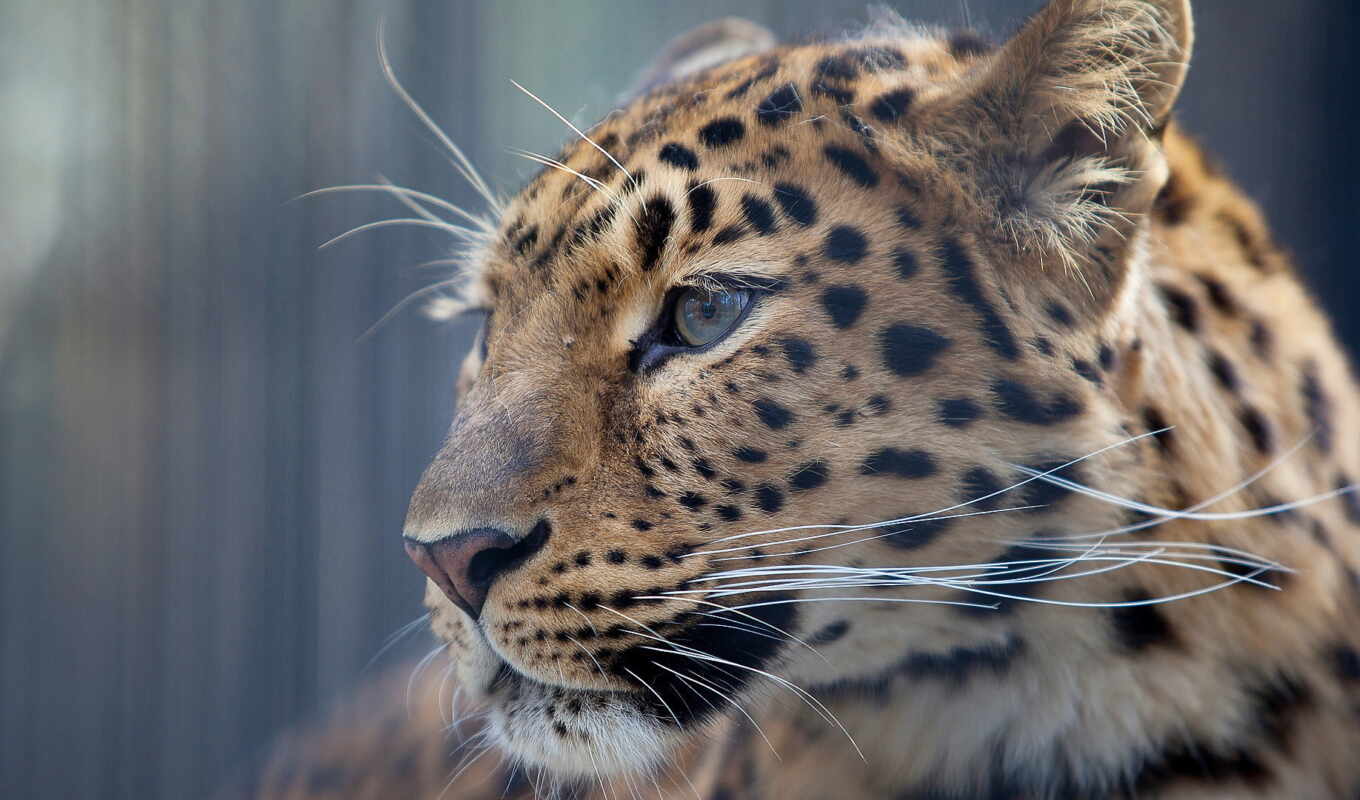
(203, 469)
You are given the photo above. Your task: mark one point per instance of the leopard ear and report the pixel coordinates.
(703, 47)
(1071, 109)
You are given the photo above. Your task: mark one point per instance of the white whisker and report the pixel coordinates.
(575, 129)
(463, 164)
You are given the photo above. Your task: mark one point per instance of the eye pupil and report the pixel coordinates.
(703, 316)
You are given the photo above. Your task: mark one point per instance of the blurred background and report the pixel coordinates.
(203, 468)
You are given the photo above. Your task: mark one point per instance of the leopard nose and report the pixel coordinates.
(466, 564)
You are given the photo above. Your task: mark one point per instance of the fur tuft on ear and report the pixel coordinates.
(1110, 65)
(706, 46)
(1078, 97)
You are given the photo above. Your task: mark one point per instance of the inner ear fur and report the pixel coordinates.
(1061, 128)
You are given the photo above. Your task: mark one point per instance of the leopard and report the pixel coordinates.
(899, 415)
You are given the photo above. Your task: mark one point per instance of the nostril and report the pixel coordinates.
(466, 564)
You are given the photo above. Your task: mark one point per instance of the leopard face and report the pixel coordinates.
(771, 357)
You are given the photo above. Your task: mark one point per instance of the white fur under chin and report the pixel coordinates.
(603, 742)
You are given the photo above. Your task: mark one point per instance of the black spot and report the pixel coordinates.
(1262, 340)
(850, 373)
(796, 203)
(677, 155)
(837, 67)
(1044, 495)
(653, 227)
(616, 556)
(768, 498)
(1318, 407)
(845, 244)
(750, 455)
(1154, 421)
(907, 218)
(728, 513)
(1105, 357)
(773, 414)
(963, 280)
(1181, 306)
(852, 164)
(652, 562)
(1257, 428)
(759, 214)
(1059, 313)
(799, 353)
(721, 132)
(958, 412)
(1043, 345)
(1350, 499)
(915, 534)
(844, 304)
(1086, 370)
(831, 632)
(839, 94)
(1223, 370)
(889, 461)
(977, 486)
(779, 106)
(910, 350)
(906, 263)
(704, 469)
(733, 486)
(526, 242)
(729, 234)
(888, 107)
(1345, 661)
(1138, 627)
(582, 558)
(692, 501)
(1020, 403)
(809, 476)
(1218, 295)
(642, 524)
(702, 202)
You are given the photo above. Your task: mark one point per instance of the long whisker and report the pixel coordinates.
(1135, 505)
(575, 129)
(464, 165)
(456, 230)
(403, 192)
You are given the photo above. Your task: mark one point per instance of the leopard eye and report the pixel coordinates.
(703, 316)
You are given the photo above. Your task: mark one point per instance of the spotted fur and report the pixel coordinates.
(974, 265)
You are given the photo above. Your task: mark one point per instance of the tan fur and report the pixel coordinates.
(1088, 277)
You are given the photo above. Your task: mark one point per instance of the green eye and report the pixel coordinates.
(702, 316)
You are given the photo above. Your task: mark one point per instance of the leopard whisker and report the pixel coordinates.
(463, 164)
(719, 693)
(456, 230)
(866, 527)
(690, 652)
(398, 635)
(598, 186)
(415, 673)
(407, 195)
(1274, 463)
(574, 129)
(656, 694)
(1169, 513)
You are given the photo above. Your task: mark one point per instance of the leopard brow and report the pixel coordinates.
(727, 279)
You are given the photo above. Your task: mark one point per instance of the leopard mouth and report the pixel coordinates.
(677, 675)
